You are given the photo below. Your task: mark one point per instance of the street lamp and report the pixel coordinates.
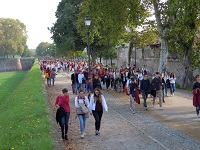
(87, 23)
(134, 39)
(55, 50)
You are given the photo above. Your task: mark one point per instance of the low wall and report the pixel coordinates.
(15, 64)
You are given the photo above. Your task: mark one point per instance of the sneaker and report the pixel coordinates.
(83, 135)
(197, 115)
(161, 108)
(66, 137)
(96, 132)
(133, 112)
(163, 101)
(145, 108)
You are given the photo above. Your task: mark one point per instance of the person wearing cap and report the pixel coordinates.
(144, 86)
(62, 101)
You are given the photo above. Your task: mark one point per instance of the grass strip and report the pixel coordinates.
(23, 119)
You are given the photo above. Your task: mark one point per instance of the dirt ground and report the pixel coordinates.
(115, 129)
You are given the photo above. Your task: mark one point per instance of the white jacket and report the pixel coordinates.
(81, 101)
(93, 104)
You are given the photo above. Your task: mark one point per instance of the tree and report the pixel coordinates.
(13, 37)
(27, 52)
(64, 30)
(44, 48)
(183, 25)
(109, 19)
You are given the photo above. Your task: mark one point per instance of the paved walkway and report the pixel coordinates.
(151, 129)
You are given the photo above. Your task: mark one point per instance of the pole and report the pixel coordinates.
(55, 51)
(135, 53)
(88, 33)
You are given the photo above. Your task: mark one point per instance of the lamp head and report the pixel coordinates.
(87, 21)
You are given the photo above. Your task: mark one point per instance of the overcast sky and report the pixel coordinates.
(37, 15)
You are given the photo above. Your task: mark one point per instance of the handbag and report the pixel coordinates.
(84, 108)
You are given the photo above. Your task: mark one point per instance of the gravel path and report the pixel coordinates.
(120, 129)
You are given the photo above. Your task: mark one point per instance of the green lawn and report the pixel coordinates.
(23, 114)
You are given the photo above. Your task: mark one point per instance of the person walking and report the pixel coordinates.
(62, 101)
(196, 94)
(81, 100)
(107, 80)
(97, 104)
(157, 88)
(53, 76)
(96, 82)
(166, 79)
(133, 93)
(172, 80)
(74, 79)
(144, 86)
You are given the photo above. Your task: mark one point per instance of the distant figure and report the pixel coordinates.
(196, 94)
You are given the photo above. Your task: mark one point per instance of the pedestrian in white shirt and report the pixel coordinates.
(97, 105)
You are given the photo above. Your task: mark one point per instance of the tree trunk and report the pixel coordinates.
(111, 62)
(163, 55)
(164, 45)
(100, 59)
(186, 70)
(130, 52)
(94, 56)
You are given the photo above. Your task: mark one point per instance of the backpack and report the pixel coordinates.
(46, 75)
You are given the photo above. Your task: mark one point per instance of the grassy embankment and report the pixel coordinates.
(23, 114)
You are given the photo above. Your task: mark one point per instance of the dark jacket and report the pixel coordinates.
(74, 78)
(144, 85)
(60, 113)
(96, 83)
(157, 83)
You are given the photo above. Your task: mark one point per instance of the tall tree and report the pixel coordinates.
(183, 25)
(64, 30)
(13, 37)
(109, 19)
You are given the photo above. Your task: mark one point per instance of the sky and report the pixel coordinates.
(37, 15)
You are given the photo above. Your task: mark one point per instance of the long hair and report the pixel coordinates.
(97, 98)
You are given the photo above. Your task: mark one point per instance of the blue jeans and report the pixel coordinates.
(197, 110)
(89, 87)
(75, 87)
(64, 122)
(172, 88)
(82, 119)
(83, 86)
(144, 96)
(165, 88)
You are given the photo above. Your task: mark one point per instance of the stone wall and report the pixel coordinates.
(15, 64)
(150, 56)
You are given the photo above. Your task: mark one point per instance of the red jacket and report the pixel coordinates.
(196, 97)
(63, 101)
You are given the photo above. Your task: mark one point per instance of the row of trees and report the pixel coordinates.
(13, 37)
(117, 21)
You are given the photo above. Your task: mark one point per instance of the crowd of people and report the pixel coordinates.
(134, 81)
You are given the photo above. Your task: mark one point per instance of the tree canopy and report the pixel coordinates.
(13, 37)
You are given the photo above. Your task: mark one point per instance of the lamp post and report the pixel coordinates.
(134, 39)
(87, 23)
(55, 50)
